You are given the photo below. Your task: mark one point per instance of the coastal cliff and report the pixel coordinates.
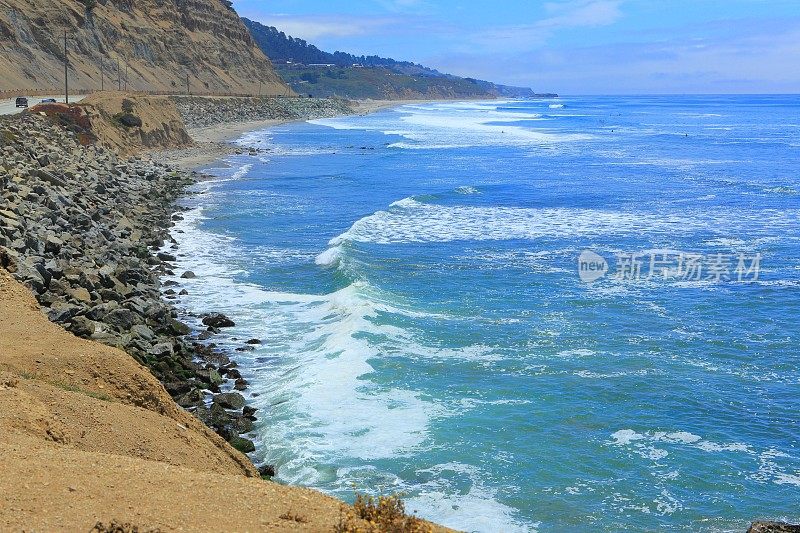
(159, 46)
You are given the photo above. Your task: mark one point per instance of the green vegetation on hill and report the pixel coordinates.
(309, 70)
(375, 83)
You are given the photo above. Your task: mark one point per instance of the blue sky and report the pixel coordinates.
(566, 46)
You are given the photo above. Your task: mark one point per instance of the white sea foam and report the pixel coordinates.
(312, 376)
(475, 510)
(330, 257)
(556, 106)
(336, 123)
(329, 400)
(455, 125)
(642, 441)
(774, 466)
(243, 171)
(411, 221)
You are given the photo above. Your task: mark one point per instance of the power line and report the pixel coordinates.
(66, 70)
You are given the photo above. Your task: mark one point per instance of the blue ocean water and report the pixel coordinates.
(414, 276)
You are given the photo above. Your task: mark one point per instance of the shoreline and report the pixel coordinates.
(213, 143)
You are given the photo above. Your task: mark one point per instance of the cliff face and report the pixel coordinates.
(161, 42)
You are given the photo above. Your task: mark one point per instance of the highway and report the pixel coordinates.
(8, 107)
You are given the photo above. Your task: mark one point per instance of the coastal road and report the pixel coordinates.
(8, 107)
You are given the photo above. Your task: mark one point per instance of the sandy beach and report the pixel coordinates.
(214, 142)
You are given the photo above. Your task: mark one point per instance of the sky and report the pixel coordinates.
(565, 46)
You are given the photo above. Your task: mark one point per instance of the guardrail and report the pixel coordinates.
(10, 94)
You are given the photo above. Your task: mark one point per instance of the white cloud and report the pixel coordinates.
(747, 58)
(311, 28)
(581, 13)
(399, 5)
(560, 15)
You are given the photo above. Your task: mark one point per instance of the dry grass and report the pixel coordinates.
(385, 514)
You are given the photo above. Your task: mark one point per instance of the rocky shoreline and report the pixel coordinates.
(199, 112)
(88, 232)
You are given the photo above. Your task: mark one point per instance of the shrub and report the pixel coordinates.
(386, 514)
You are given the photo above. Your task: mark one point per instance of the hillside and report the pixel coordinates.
(160, 42)
(309, 70)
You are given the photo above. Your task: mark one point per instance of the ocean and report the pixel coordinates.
(532, 315)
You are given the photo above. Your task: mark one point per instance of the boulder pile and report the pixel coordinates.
(199, 112)
(82, 227)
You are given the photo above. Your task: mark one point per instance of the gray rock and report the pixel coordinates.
(82, 327)
(161, 349)
(230, 400)
(121, 319)
(143, 332)
(61, 312)
(53, 245)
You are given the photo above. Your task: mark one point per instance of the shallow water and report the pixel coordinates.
(414, 275)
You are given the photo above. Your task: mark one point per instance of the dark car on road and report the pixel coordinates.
(49, 101)
(22, 102)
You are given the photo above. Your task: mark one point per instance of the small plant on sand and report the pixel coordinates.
(120, 527)
(385, 514)
(293, 517)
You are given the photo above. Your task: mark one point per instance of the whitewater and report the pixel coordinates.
(413, 276)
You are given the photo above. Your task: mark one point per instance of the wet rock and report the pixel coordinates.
(230, 400)
(231, 373)
(188, 275)
(773, 527)
(178, 328)
(191, 399)
(267, 471)
(243, 445)
(253, 341)
(218, 320)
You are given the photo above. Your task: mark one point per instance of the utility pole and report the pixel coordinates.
(66, 71)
